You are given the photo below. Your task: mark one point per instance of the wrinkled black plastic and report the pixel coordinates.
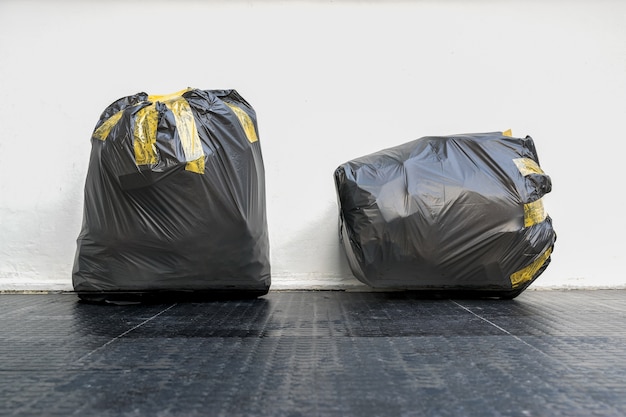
(445, 213)
(159, 229)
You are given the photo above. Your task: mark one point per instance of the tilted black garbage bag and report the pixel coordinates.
(455, 213)
(174, 200)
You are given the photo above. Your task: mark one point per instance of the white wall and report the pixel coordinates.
(330, 81)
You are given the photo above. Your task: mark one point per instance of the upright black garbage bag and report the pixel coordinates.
(461, 213)
(174, 199)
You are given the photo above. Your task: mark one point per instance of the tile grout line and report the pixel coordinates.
(500, 328)
(519, 339)
(124, 334)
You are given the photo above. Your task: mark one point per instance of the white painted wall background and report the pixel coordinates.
(330, 81)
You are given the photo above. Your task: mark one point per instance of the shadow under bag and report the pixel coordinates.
(174, 200)
(461, 213)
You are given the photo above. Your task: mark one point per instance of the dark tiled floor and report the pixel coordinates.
(319, 353)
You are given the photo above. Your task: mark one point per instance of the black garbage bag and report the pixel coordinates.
(174, 200)
(460, 213)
